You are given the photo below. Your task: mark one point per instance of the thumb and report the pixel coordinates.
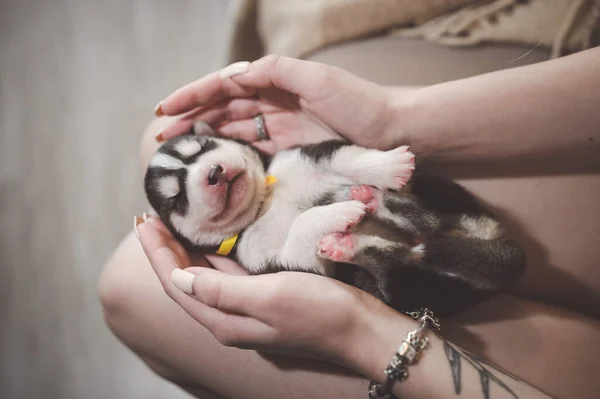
(225, 292)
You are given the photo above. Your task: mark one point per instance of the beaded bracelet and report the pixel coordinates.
(407, 353)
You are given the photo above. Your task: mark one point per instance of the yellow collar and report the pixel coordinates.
(228, 244)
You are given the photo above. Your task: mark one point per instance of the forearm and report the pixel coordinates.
(551, 108)
(443, 371)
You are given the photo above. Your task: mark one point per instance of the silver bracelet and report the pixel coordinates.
(408, 352)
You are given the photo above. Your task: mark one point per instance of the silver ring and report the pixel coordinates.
(261, 129)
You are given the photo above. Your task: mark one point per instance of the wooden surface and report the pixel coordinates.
(78, 81)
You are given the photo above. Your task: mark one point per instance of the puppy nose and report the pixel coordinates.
(215, 174)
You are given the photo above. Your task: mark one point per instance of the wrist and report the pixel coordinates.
(400, 106)
(379, 331)
(407, 107)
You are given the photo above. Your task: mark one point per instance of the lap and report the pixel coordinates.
(397, 61)
(519, 335)
(557, 220)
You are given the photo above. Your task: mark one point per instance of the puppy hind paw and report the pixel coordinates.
(338, 247)
(366, 195)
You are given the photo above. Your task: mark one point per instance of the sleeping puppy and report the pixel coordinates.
(356, 214)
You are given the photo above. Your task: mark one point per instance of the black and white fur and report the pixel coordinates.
(426, 244)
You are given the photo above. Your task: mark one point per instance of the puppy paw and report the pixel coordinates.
(389, 170)
(344, 215)
(400, 166)
(365, 194)
(338, 247)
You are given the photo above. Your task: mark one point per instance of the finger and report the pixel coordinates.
(246, 129)
(202, 92)
(242, 129)
(229, 329)
(277, 124)
(268, 146)
(159, 247)
(226, 265)
(306, 79)
(241, 295)
(172, 242)
(199, 260)
(178, 128)
(157, 224)
(241, 108)
(184, 257)
(213, 116)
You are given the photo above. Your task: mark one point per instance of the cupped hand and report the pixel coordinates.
(288, 312)
(302, 102)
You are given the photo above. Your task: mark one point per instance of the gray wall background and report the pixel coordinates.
(78, 81)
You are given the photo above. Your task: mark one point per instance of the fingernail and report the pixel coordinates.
(158, 110)
(183, 280)
(238, 68)
(159, 136)
(136, 222)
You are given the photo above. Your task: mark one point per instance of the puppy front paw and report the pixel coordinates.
(342, 216)
(389, 170)
(338, 247)
(398, 168)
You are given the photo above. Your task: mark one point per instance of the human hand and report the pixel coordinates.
(302, 102)
(288, 312)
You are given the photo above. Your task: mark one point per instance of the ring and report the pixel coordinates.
(261, 129)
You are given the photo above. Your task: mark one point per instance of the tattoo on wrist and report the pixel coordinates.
(456, 355)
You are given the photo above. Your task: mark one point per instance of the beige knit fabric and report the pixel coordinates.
(298, 27)
(563, 25)
(294, 27)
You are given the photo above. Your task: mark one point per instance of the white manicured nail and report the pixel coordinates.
(183, 280)
(238, 68)
(136, 222)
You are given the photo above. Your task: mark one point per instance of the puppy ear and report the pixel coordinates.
(201, 128)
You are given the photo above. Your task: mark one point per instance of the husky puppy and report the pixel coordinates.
(336, 209)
